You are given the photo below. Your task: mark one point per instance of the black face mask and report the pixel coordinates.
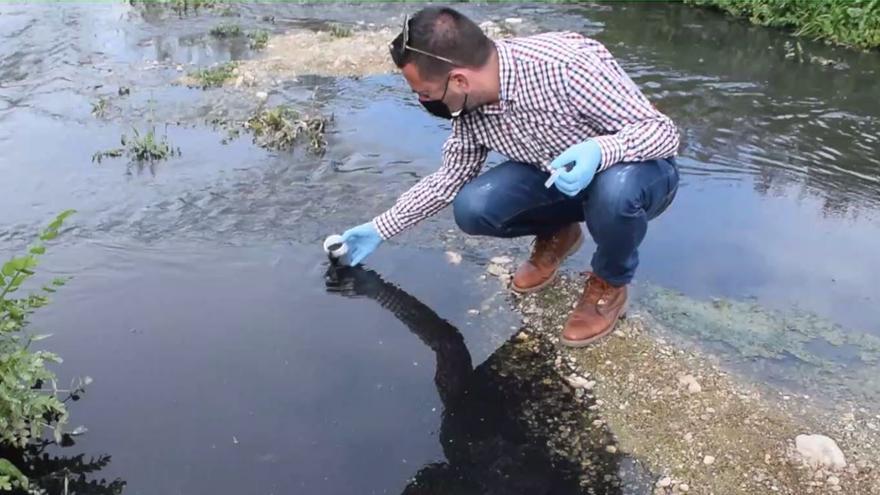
(439, 109)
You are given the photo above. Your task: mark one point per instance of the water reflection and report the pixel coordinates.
(509, 425)
(67, 474)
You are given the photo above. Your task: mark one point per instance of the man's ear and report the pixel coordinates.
(461, 81)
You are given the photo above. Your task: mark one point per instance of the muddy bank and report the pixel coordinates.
(697, 427)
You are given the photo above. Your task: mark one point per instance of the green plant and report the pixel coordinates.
(214, 76)
(27, 404)
(99, 108)
(226, 30)
(258, 39)
(340, 31)
(181, 7)
(854, 23)
(141, 148)
(281, 127)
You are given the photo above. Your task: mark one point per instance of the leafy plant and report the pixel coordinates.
(214, 76)
(854, 23)
(29, 394)
(340, 31)
(99, 108)
(140, 148)
(258, 39)
(226, 30)
(281, 127)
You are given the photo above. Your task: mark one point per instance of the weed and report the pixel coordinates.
(140, 148)
(854, 23)
(258, 39)
(226, 30)
(281, 127)
(214, 76)
(100, 107)
(340, 31)
(181, 7)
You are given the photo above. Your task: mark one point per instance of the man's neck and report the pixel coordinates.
(490, 79)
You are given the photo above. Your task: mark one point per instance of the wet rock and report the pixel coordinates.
(453, 258)
(496, 270)
(820, 451)
(501, 260)
(473, 312)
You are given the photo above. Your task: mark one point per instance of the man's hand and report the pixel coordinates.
(362, 241)
(586, 157)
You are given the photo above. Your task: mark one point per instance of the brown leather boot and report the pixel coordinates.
(596, 314)
(549, 252)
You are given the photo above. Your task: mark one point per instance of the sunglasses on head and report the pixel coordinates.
(404, 46)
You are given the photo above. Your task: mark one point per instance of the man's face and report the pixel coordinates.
(454, 85)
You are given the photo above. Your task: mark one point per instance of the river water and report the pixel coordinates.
(225, 358)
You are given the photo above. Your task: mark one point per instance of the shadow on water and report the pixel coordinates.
(243, 380)
(500, 418)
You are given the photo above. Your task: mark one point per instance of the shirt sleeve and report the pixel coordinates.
(630, 128)
(463, 158)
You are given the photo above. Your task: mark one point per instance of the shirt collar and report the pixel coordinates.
(507, 79)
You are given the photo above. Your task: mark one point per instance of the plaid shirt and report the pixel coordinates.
(557, 90)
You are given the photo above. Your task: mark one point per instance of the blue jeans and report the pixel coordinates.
(510, 200)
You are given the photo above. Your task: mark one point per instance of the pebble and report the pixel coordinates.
(709, 460)
(579, 381)
(501, 260)
(496, 270)
(473, 311)
(451, 256)
(664, 482)
(820, 451)
(513, 20)
(833, 480)
(611, 449)
(683, 488)
(691, 383)
(688, 437)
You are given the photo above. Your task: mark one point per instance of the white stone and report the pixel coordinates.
(691, 383)
(513, 20)
(820, 451)
(496, 270)
(683, 488)
(664, 482)
(833, 480)
(262, 95)
(709, 460)
(501, 260)
(578, 381)
(611, 449)
(453, 257)
(473, 311)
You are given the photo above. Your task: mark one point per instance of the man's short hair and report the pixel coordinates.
(444, 32)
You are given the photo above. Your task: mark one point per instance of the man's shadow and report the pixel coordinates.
(511, 425)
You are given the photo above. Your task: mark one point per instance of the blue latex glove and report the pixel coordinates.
(362, 241)
(586, 157)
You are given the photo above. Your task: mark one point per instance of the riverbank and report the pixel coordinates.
(697, 427)
(852, 23)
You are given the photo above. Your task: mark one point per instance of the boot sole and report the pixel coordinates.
(574, 248)
(586, 342)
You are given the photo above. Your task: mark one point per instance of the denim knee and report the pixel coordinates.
(612, 197)
(469, 210)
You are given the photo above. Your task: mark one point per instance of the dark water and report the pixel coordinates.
(201, 306)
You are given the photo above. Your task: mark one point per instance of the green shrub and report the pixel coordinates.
(29, 394)
(853, 23)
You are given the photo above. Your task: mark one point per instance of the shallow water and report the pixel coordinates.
(199, 304)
